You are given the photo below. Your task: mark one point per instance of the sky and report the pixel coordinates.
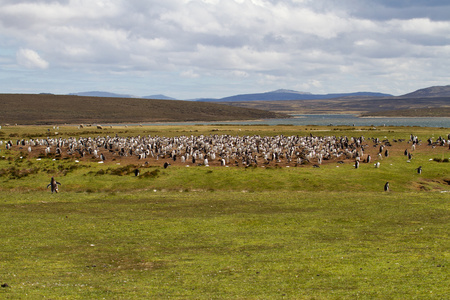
(189, 49)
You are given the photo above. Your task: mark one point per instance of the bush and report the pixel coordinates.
(122, 171)
(151, 174)
(446, 160)
(16, 173)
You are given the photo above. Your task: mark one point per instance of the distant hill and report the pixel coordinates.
(433, 101)
(159, 96)
(280, 95)
(101, 94)
(114, 95)
(434, 91)
(33, 109)
(362, 105)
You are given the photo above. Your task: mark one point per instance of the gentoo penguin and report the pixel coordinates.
(386, 187)
(54, 185)
(419, 170)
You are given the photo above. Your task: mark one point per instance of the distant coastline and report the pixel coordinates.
(411, 113)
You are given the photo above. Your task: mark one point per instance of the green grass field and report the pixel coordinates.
(225, 233)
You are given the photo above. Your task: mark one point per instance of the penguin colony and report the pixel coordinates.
(221, 150)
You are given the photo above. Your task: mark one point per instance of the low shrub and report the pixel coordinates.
(17, 173)
(445, 160)
(151, 174)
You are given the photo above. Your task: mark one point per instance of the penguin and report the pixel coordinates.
(136, 172)
(386, 187)
(356, 164)
(166, 165)
(54, 185)
(419, 170)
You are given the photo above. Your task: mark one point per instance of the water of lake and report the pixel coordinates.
(350, 120)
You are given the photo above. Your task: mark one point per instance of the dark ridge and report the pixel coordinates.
(280, 95)
(359, 105)
(434, 91)
(32, 109)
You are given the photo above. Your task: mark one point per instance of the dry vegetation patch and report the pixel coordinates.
(31, 109)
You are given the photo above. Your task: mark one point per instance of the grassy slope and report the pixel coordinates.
(321, 245)
(327, 233)
(59, 109)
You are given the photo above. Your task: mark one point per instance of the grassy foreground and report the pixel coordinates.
(225, 245)
(226, 233)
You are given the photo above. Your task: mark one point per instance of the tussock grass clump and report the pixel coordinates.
(116, 171)
(121, 171)
(47, 155)
(16, 173)
(445, 160)
(151, 174)
(66, 169)
(100, 172)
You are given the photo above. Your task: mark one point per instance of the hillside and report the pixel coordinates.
(434, 91)
(59, 109)
(280, 95)
(396, 106)
(101, 94)
(159, 97)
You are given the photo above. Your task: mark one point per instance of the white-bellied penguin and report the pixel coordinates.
(53, 185)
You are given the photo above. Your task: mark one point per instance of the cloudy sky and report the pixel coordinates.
(217, 48)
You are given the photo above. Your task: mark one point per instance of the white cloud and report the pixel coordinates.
(317, 43)
(189, 74)
(30, 59)
(422, 26)
(240, 74)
